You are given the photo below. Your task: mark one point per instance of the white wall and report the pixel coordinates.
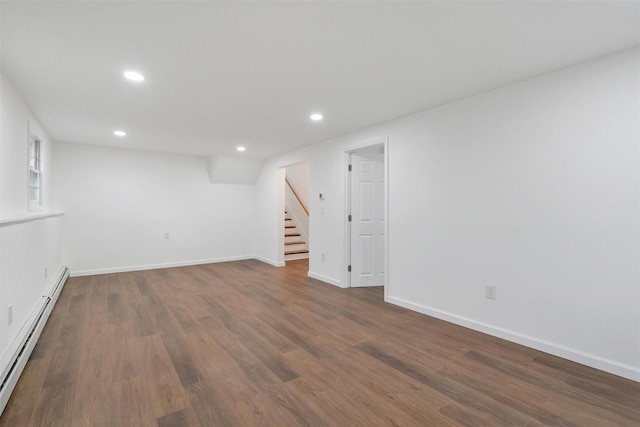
(119, 204)
(298, 176)
(26, 248)
(13, 174)
(534, 187)
(234, 169)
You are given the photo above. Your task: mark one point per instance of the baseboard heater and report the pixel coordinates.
(30, 333)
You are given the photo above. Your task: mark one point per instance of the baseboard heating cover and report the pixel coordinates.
(28, 337)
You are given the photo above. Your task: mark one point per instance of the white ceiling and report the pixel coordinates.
(221, 74)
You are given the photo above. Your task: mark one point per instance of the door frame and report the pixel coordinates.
(347, 185)
(283, 185)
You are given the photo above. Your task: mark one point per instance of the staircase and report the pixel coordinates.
(294, 245)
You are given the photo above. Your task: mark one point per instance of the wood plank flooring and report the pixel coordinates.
(247, 344)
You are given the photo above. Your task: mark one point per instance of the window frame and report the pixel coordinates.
(34, 172)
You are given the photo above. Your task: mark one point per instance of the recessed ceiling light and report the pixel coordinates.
(134, 76)
(240, 148)
(316, 117)
(119, 133)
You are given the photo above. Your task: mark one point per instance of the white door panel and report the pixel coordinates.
(367, 221)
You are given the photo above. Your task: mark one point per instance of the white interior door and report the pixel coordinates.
(367, 218)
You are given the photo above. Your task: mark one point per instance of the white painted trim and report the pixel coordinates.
(384, 141)
(616, 368)
(28, 218)
(281, 207)
(347, 224)
(157, 266)
(386, 217)
(270, 262)
(326, 279)
(33, 138)
(358, 146)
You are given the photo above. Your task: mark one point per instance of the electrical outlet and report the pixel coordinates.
(322, 257)
(166, 235)
(10, 313)
(45, 273)
(490, 291)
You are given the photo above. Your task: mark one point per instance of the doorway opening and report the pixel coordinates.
(296, 213)
(367, 211)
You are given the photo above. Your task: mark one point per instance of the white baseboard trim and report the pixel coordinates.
(110, 270)
(270, 261)
(613, 367)
(326, 279)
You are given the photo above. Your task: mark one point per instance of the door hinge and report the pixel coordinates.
(349, 269)
(349, 218)
(349, 168)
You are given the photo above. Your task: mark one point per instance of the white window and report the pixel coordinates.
(35, 173)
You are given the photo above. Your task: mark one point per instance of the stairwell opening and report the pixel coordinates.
(296, 212)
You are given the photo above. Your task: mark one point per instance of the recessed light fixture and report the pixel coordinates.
(134, 76)
(316, 117)
(119, 133)
(240, 148)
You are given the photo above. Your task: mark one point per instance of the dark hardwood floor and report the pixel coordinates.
(245, 344)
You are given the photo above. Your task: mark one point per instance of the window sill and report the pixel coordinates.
(28, 218)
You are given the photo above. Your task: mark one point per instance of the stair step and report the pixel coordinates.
(291, 234)
(289, 226)
(299, 242)
(301, 251)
